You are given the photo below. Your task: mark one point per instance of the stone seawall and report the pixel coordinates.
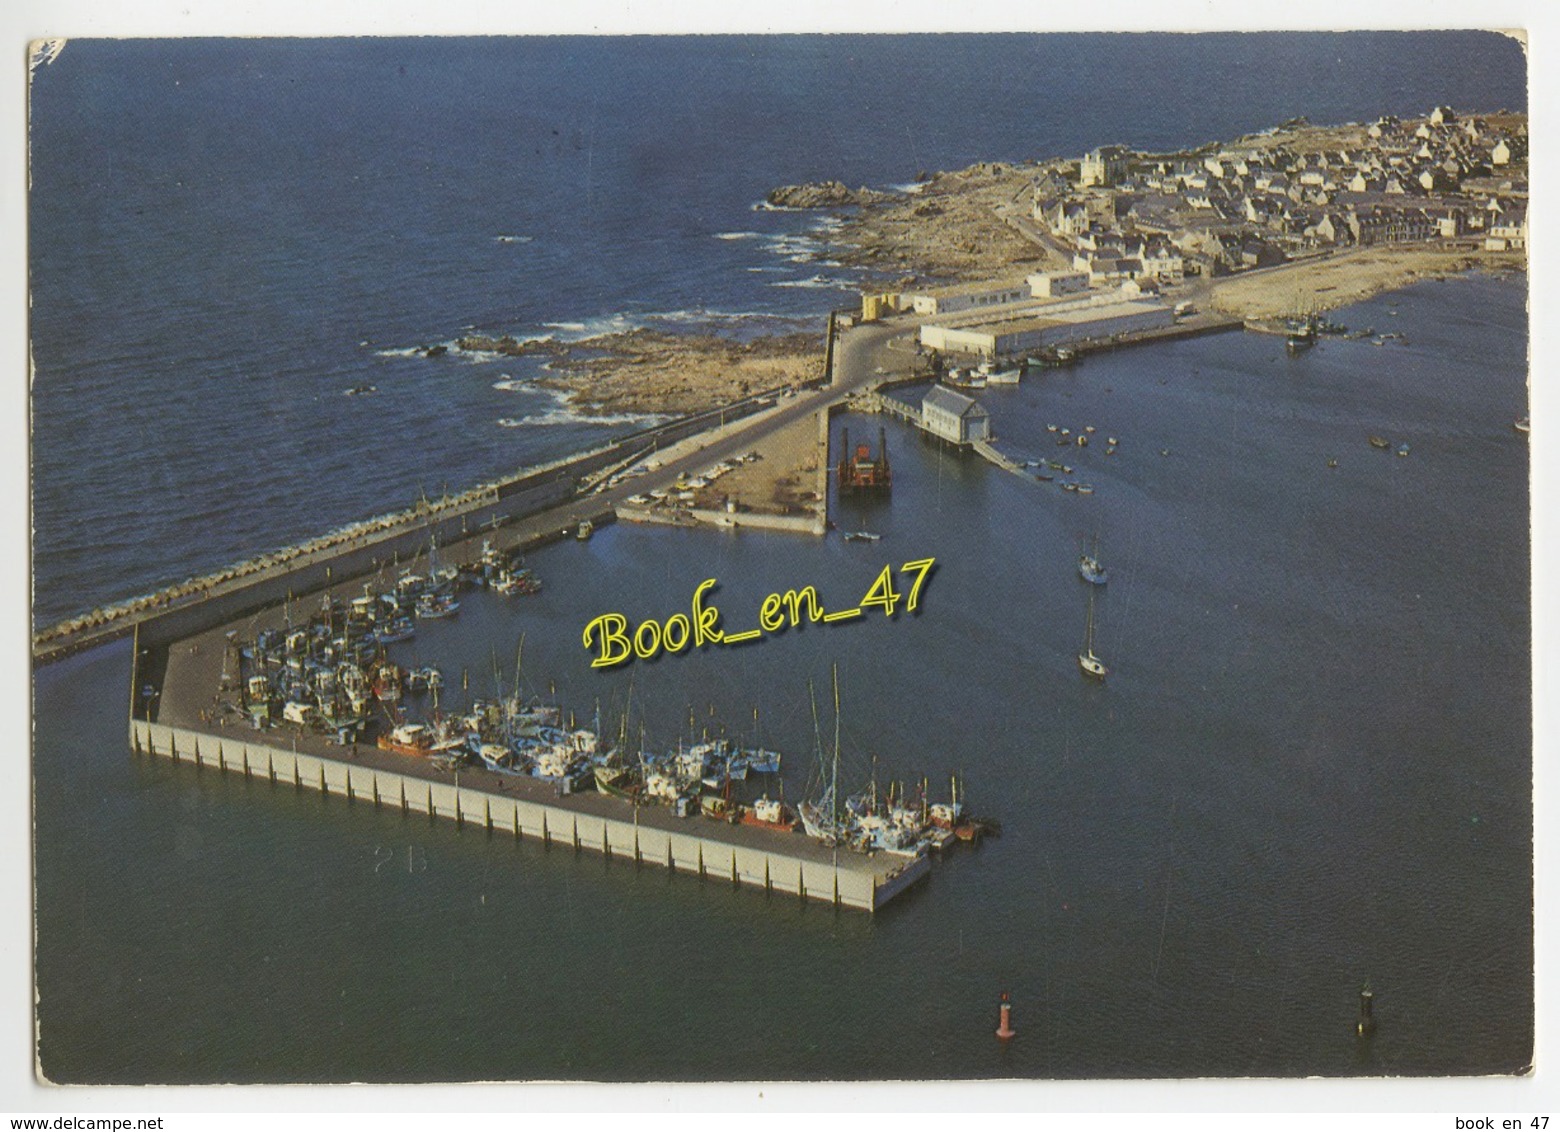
(707, 850)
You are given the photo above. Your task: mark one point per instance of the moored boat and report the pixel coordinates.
(769, 813)
(1091, 570)
(1089, 664)
(408, 739)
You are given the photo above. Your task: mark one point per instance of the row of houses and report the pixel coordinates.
(1134, 216)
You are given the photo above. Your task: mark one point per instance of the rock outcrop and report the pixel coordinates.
(823, 194)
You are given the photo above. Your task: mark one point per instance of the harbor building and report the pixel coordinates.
(953, 416)
(1055, 284)
(1038, 326)
(970, 296)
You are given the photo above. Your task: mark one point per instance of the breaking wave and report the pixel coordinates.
(818, 281)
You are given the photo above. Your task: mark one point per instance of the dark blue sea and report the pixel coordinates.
(1310, 769)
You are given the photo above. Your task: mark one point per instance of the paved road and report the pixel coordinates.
(859, 353)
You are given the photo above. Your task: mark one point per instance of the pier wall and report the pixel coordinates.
(709, 858)
(197, 605)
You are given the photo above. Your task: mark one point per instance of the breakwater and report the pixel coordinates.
(742, 856)
(365, 547)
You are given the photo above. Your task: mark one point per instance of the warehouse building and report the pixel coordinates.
(1037, 327)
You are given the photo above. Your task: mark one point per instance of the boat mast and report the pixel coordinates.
(834, 781)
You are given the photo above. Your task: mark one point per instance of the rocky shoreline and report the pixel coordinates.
(655, 371)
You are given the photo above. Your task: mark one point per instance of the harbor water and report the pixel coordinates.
(1309, 769)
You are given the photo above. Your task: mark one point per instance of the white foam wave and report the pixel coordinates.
(505, 239)
(510, 385)
(578, 331)
(816, 281)
(704, 315)
(400, 352)
(565, 416)
(909, 189)
(736, 235)
(765, 206)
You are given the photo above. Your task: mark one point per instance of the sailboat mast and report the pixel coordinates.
(834, 781)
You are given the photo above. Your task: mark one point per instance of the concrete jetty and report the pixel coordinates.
(178, 722)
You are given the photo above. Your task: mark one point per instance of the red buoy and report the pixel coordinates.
(1005, 1028)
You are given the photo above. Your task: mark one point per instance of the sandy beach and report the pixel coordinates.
(1348, 277)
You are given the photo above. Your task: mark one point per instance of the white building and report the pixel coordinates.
(1046, 325)
(953, 416)
(1104, 166)
(1054, 284)
(970, 296)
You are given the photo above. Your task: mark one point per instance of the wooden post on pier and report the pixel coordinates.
(374, 782)
(487, 814)
(405, 809)
(546, 834)
(701, 860)
(576, 834)
(516, 815)
(736, 881)
(671, 864)
(767, 886)
(431, 812)
(270, 768)
(324, 787)
(297, 776)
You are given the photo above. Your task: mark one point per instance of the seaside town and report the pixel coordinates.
(1287, 223)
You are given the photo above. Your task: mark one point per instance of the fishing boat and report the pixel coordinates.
(619, 781)
(768, 813)
(408, 739)
(1089, 664)
(584, 530)
(496, 756)
(995, 376)
(1402, 450)
(399, 629)
(511, 583)
(1091, 569)
(1379, 442)
(437, 605)
(760, 761)
(1522, 426)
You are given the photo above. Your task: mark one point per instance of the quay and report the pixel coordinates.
(176, 722)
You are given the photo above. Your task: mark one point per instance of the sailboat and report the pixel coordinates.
(822, 818)
(1091, 569)
(1088, 663)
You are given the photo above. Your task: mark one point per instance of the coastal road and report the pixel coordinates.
(860, 353)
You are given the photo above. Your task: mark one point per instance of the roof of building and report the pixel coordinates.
(941, 397)
(1098, 312)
